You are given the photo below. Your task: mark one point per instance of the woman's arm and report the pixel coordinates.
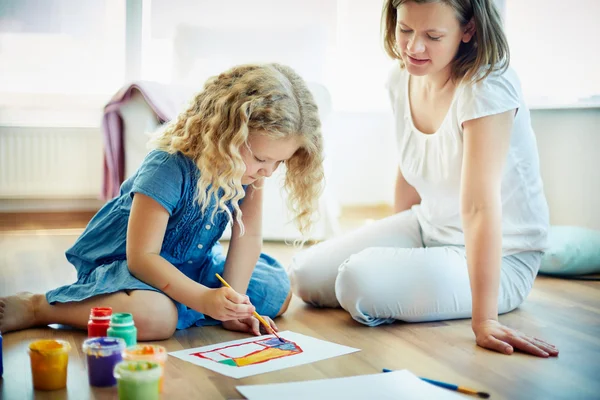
(486, 144)
(244, 251)
(405, 195)
(145, 233)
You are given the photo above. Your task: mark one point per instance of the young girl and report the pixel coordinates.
(471, 219)
(153, 250)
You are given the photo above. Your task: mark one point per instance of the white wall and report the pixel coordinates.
(361, 148)
(569, 144)
(361, 154)
(364, 161)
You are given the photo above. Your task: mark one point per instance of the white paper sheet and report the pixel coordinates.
(390, 385)
(260, 354)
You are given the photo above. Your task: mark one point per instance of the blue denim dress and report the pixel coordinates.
(190, 243)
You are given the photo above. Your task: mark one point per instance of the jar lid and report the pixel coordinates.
(138, 370)
(103, 346)
(101, 312)
(121, 319)
(146, 352)
(50, 346)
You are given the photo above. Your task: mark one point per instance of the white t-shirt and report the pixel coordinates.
(432, 163)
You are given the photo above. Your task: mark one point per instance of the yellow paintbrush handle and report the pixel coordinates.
(223, 281)
(261, 319)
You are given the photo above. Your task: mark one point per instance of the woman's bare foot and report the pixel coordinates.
(17, 312)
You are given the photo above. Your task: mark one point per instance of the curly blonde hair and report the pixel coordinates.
(268, 98)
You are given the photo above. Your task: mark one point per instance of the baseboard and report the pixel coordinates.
(66, 205)
(49, 205)
(71, 213)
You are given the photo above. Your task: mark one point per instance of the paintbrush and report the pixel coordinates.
(258, 317)
(461, 389)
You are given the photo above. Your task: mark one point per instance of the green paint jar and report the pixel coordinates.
(138, 380)
(122, 326)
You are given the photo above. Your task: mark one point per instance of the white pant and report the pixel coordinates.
(385, 272)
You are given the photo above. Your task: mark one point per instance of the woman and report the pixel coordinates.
(472, 219)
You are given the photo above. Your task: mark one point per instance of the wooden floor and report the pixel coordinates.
(564, 312)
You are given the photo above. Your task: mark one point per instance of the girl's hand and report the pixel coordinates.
(225, 304)
(491, 334)
(250, 325)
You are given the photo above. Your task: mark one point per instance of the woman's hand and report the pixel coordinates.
(224, 304)
(491, 334)
(250, 325)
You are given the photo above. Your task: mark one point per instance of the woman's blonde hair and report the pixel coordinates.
(269, 99)
(487, 50)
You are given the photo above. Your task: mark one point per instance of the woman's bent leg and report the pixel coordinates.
(313, 272)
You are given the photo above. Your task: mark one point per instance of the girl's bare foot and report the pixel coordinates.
(17, 312)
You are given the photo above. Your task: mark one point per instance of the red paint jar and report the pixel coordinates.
(99, 321)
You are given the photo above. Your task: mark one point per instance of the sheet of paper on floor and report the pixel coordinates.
(257, 355)
(391, 385)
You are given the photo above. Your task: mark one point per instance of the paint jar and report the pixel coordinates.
(49, 360)
(138, 380)
(153, 353)
(1, 366)
(103, 354)
(121, 325)
(99, 321)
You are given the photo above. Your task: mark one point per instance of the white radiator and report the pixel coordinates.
(50, 163)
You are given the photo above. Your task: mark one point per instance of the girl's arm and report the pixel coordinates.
(405, 196)
(145, 233)
(486, 144)
(244, 251)
(243, 254)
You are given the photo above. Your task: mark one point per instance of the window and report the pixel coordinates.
(66, 55)
(361, 65)
(334, 42)
(69, 54)
(60, 53)
(186, 41)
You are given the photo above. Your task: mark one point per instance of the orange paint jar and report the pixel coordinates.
(49, 360)
(153, 353)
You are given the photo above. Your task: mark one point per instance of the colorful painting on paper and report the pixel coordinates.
(250, 353)
(256, 355)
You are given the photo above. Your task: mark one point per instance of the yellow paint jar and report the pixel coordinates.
(49, 360)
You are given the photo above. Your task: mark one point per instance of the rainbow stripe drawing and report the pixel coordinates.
(251, 353)
(257, 355)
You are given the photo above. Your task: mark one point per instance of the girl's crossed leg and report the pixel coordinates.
(154, 313)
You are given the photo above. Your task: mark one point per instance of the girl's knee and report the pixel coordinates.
(286, 304)
(155, 316)
(270, 292)
(284, 292)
